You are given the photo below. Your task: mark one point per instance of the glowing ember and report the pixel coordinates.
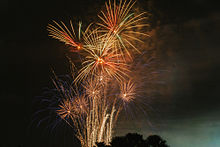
(79, 47)
(100, 60)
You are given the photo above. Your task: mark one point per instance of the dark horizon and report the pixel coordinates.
(185, 35)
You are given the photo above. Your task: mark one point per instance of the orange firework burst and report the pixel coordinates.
(102, 58)
(121, 22)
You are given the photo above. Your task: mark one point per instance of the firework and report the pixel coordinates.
(93, 88)
(122, 22)
(89, 112)
(68, 36)
(80, 105)
(101, 58)
(127, 91)
(90, 102)
(65, 110)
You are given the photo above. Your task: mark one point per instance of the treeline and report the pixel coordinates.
(135, 140)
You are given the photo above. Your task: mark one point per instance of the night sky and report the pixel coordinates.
(185, 109)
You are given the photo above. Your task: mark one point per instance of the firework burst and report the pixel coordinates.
(102, 58)
(93, 110)
(68, 36)
(127, 91)
(65, 110)
(93, 87)
(119, 20)
(80, 105)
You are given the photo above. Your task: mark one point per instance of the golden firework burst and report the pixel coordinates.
(127, 91)
(65, 110)
(119, 20)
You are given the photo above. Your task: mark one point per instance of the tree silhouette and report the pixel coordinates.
(155, 141)
(130, 140)
(135, 140)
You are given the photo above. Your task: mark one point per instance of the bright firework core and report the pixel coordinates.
(79, 47)
(100, 61)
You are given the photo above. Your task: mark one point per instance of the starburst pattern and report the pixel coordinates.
(65, 110)
(127, 91)
(119, 20)
(80, 105)
(102, 58)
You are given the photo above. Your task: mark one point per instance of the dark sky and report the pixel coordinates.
(185, 35)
